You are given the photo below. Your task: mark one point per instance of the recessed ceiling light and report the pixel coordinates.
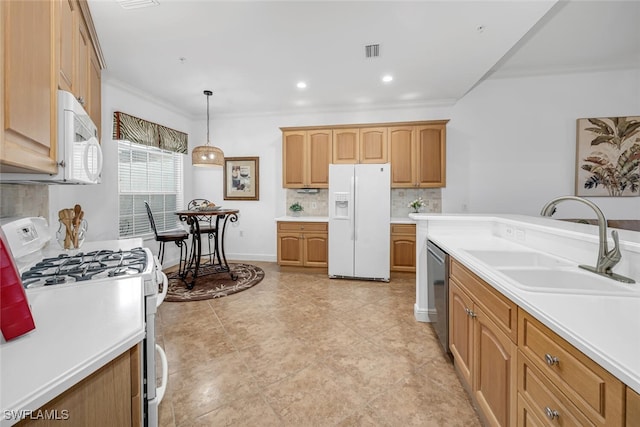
(481, 28)
(301, 85)
(387, 78)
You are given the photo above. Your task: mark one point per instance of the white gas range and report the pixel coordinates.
(44, 267)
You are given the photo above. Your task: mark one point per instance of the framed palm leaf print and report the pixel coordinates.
(608, 157)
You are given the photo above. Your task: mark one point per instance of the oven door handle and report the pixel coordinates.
(165, 373)
(165, 289)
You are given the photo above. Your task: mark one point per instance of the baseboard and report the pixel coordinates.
(251, 257)
(423, 315)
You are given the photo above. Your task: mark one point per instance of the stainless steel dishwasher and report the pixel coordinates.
(438, 287)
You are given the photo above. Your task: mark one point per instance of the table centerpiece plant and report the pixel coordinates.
(417, 204)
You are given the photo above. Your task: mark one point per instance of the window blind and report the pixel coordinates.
(153, 175)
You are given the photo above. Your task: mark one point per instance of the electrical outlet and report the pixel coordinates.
(314, 205)
(520, 234)
(241, 233)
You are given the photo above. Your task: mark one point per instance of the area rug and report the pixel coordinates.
(210, 284)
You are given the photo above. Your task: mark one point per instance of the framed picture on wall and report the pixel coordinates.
(241, 178)
(608, 156)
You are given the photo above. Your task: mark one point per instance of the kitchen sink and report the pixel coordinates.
(517, 259)
(568, 281)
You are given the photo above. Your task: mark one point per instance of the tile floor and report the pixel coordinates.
(300, 349)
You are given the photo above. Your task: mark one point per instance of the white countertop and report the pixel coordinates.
(302, 218)
(605, 328)
(79, 328)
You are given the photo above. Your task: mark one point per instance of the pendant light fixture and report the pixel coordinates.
(207, 155)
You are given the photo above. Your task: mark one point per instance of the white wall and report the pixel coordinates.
(261, 136)
(100, 202)
(511, 142)
(510, 148)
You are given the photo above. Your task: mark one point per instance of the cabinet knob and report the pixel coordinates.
(81, 100)
(552, 414)
(551, 360)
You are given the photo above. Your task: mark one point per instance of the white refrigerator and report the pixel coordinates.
(359, 217)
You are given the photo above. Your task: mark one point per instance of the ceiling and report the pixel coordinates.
(251, 54)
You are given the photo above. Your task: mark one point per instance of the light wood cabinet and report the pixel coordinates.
(633, 408)
(346, 145)
(573, 386)
(303, 244)
(403, 247)
(66, 42)
(305, 158)
(483, 350)
(46, 45)
(418, 155)
(374, 146)
(109, 397)
(29, 107)
(416, 151)
(360, 145)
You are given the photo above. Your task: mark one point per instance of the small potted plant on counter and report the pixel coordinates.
(417, 204)
(296, 208)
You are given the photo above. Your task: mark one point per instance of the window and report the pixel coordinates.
(148, 174)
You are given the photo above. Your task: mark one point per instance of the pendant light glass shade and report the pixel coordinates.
(207, 155)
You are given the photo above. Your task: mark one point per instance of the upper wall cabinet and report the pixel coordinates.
(305, 157)
(360, 145)
(42, 52)
(416, 151)
(28, 87)
(417, 155)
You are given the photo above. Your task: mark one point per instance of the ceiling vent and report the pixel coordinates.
(137, 4)
(372, 50)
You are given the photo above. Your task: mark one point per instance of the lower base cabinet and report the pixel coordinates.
(303, 244)
(111, 396)
(403, 247)
(484, 356)
(521, 373)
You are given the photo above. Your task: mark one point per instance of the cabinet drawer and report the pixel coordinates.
(498, 307)
(302, 226)
(597, 393)
(403, 229)
(539, 397)
(633, 408)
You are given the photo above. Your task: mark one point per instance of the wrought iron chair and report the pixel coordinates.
(178, 236)
(207, 226)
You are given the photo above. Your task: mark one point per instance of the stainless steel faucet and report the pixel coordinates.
(606, 259)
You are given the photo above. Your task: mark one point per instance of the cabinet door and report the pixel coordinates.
(293, 155)
(29, 102)
(68, 11)
(403, 164)
(319, 157)
(83, 52)
(373, 145)
(494, 371)
(460, 330)
(95, 87)
(431, 156)
(290, 250)
(403, 247)
(316, 248)
(345, 146)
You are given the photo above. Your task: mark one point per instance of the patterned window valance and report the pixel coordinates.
(138, 130)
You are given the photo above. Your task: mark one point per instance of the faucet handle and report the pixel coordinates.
(613, 256)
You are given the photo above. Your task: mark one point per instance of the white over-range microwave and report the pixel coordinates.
(79, 152)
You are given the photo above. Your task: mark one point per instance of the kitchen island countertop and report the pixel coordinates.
(604, 327)
(80, 327)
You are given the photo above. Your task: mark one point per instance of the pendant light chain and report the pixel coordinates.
(208, 95)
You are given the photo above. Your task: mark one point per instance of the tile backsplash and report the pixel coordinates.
(23, 200)
(317, 204)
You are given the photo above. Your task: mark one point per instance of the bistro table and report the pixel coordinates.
(219, 259)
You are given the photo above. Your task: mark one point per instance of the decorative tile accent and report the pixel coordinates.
(400, 199)
(23, 200)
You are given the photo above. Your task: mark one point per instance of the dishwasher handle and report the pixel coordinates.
(436, 253)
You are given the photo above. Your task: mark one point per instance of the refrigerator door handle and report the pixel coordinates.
(352, 216)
